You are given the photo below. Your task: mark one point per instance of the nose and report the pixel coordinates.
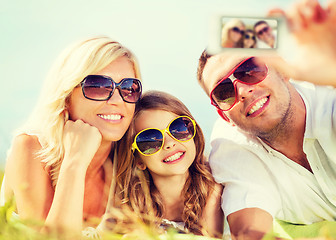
(169, 142)
(115, 98)
(244, 90)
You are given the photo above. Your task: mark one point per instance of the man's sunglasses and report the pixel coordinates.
(101, 88)
(237, 30)
(224, 94)
(262, 31)
(151, 140)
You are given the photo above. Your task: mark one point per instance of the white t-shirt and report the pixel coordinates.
(257, 176)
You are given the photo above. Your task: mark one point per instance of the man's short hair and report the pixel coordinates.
(201, 64)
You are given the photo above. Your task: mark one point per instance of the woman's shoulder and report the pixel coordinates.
(25, 143)
(26, 140)
(24, 148)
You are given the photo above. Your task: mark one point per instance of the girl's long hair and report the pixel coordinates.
(141, 193)
(74, 63)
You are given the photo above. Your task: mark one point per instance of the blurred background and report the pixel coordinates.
(167, 36)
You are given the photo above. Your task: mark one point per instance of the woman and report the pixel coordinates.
(168, 149)
(59, 168)
(250, 40)
(232, 34)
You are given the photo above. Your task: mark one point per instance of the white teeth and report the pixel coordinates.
(174, 157)
(110, 117)
(258, 105)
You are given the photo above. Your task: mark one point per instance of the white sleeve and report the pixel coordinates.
(247, 180)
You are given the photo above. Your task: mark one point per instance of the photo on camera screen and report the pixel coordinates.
(244, 33)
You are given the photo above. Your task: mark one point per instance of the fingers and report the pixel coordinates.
(81, 130)
(304, 13)
(81, 142)
(331, 10)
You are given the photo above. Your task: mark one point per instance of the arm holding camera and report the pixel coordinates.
(314, 31)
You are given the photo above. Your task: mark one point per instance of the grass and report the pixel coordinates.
(12, 228)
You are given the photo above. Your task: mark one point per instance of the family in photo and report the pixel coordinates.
(99, 153)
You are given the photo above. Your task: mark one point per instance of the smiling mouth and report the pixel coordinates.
(258, 105)
(110, 117)
(173, 157)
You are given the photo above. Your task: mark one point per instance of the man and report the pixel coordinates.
(264, 34)
(277, 154)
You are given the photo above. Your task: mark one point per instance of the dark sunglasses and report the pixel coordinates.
(101, 88)
(224, 94)
(237, 30)
(247, 36)
(149, 141)
(262, 31)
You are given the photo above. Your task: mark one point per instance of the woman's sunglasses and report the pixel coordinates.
(101, 88)
(149, 141)
(237, 30)
(224, 94)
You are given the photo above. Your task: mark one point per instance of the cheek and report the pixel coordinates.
(129, 110)
(191, 148)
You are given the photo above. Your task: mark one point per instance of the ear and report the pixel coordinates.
(66, 114)
(141, 165)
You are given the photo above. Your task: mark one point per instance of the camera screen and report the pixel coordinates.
(248, 33)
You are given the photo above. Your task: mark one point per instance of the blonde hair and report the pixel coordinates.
(199, 184)
(73, 64)
(225, 32)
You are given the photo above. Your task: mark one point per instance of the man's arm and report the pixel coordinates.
(250, 223)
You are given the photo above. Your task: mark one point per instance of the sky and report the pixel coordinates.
(167, 36)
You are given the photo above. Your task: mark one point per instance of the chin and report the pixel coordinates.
(113, 137)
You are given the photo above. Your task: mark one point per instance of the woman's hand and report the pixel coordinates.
(81, 142)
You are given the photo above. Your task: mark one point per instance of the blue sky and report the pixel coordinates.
(167, 36)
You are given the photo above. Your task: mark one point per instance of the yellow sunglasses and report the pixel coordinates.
(150, 140)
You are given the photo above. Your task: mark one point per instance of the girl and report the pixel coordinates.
(250, 40)
(59, 168)
(168, 147)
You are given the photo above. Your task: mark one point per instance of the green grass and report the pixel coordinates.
(12, 228)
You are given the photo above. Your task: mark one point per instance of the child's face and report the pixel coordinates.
(175, 157)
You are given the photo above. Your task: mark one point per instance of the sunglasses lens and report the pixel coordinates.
(237, 30)
(250, 72)
(224, 94)
(97, 87)
(265, 29)
(182, 129)
(149, 141)
(130, 89)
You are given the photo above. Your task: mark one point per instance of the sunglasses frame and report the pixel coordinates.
(237, 30)
(163, 131)
(114, 87)
(263, 30)
(234, 83)
(249, 36)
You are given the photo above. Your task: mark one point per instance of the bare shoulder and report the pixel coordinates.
(26, 141)
(213, 216)
(24, 148)
(218, 189)
(23, 156)
(27, 179)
